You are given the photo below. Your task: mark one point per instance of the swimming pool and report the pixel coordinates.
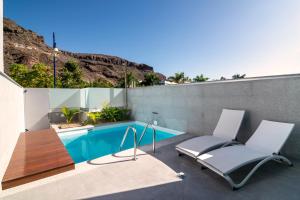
(85, 144)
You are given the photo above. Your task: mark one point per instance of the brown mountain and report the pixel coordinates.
(24, 46)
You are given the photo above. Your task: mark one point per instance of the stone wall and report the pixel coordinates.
(195, 108)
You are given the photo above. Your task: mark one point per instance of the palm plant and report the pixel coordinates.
(131, 81)
(178, 78)
(238, 76)
(69, 113)
(150, 79)
(200, 78)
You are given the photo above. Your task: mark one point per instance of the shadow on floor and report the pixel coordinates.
(128, 158)
(271, 181)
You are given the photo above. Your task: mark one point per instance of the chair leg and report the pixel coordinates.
(203, 167)
(283, 159)
(236, 186)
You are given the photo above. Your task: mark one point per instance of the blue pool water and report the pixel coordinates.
(87, 145)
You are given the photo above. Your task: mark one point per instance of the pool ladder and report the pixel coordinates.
(137, 143)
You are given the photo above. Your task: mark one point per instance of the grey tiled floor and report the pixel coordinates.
(272, 181)
(117, 178)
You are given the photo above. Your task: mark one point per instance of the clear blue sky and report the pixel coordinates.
(213, 37)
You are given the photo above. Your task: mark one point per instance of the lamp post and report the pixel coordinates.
(124, 64)
(55, 51)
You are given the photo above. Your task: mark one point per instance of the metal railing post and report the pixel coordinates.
(134, 140)
(154, 138)
(135, 144)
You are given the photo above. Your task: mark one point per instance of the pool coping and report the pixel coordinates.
(114, 124)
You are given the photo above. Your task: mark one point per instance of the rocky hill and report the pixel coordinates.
(24, 46)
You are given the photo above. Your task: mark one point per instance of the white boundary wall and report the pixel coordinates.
(11, 118)
(1, 37)
(11, 110)
(36, 108)
(96, 98)
(59, 98)
(41, 101)
(87, 98)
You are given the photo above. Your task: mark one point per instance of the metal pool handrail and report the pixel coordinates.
(134, 138)
(153, 136)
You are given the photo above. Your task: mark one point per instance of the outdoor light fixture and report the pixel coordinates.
(55, 50)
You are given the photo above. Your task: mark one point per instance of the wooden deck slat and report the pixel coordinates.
(37, 154)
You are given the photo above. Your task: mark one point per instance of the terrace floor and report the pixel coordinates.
(154, 177)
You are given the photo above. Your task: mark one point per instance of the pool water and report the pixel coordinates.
(86, 145)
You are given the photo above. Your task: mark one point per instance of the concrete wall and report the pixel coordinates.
(36, 108)
(11, 118)
(195, 108)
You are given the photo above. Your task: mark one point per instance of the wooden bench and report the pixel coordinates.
(37, 154)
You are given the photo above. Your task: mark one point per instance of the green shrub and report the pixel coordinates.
(39, 76)
(69, 113)
(108, 114)
(93, 117)
(71, 75)
(114, 114)
(100, 83)
(150, 78)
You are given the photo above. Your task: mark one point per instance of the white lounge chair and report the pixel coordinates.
(264, 145)
(224, 133)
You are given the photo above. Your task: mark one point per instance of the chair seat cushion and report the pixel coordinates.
(198, 145)
(227, 159)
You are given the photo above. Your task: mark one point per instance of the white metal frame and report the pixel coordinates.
(234, 185)
(261, 136)
(220, 125)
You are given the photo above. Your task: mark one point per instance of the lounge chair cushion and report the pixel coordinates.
(270, 136)
(227, 159)
(229, 124)
(198, 145)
